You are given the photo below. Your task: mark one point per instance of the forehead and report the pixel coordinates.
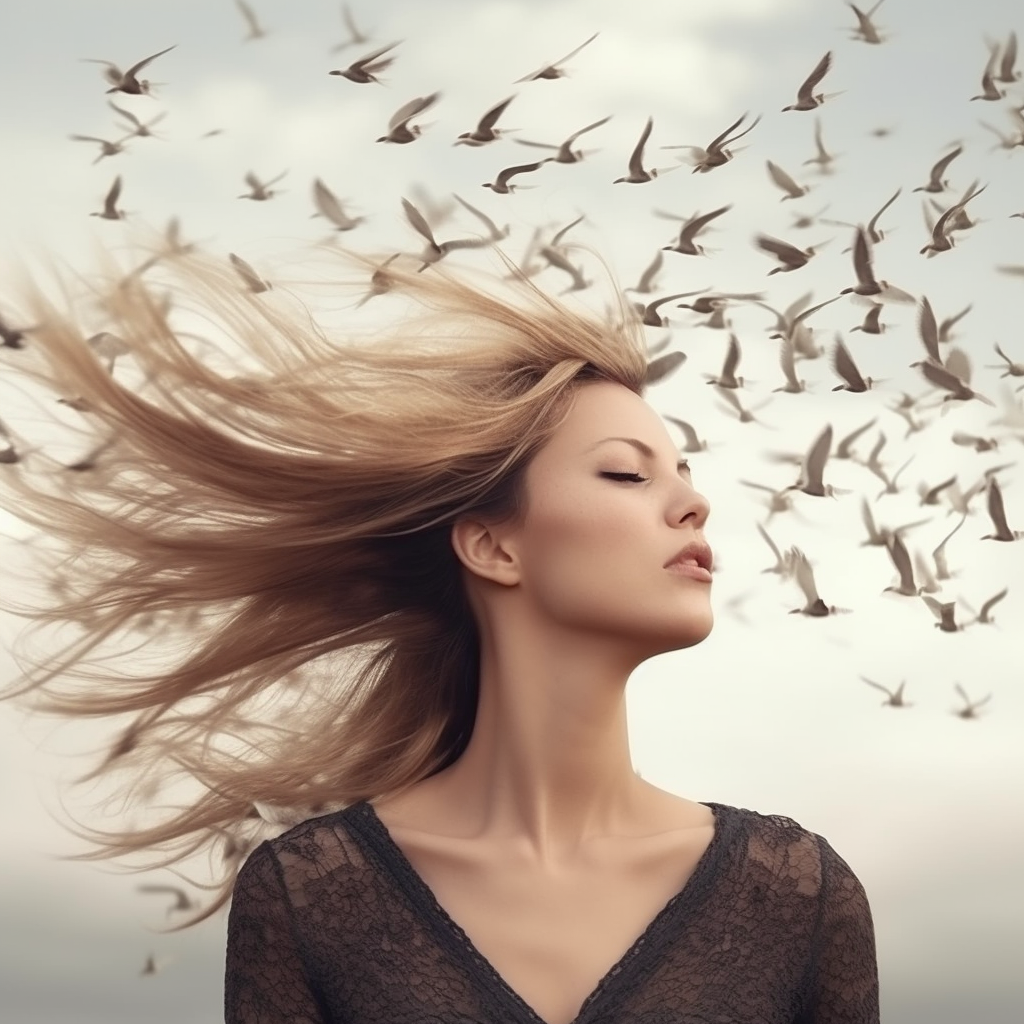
(604, 409)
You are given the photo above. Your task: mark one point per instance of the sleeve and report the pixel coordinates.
(265, 980)
(843, 976)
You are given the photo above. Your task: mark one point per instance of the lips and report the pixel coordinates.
(695, 553)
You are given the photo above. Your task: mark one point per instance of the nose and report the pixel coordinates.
(688, 506)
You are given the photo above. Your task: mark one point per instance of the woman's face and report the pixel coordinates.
(604, 517)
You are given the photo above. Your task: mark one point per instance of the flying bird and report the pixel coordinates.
(936, 183)
(685, 243)
(997, 513)
(806, 99)
(366, 69)
(553, 70)
(844, 365)
(258, 190)
(501, 182)
(814, 606)
(717, 152)
(565, 153)
(895, 698)
(110, 210)
(126, 81)
(399, 130)
(256, 30)
(813, 467)
(866, 30)
(485, 131)
(328, 205)
(727, 378)
(789, 256)
(637, 174)
(785, 182)
(355, 35)
(253, 282)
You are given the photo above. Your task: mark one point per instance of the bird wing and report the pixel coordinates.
(481, 216)
(940, 166)
(490, 119)
(787, 360)
(941, 377)
(509, 172)
(636, 158)
(652, 268)
(806, 91)
(901, 560)
(958, 362)
(328, 205)
(887, 204)
(929, 331)
(783, 180)
(572, 53)
(575, 135)
(696, 224)
(689, 433)
(360, 65)
(248, 274)
(732, 356)
(996, 510)
(995, 599)
(135, 68)
(419, 222)
(862, 259)
(805, 575)
(817, 456)
(713, 145)
(843, 364)
(775, 551)
(783, 250)
(409, 110)
(1009, 58)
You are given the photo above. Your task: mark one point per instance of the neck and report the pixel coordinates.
(548, 768)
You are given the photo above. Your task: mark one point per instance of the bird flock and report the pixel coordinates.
(680, 315)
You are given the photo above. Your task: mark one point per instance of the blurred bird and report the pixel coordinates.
(553, 70)
(399, 130)
(366, 69)
(126, 81)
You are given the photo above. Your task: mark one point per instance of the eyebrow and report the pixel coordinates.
(642, 447)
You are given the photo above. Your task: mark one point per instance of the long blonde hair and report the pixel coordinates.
(281, 534)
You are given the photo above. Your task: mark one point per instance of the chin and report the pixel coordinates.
(692, 630)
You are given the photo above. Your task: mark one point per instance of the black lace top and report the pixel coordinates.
(331, 924)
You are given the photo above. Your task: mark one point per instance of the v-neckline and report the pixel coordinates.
(431, 907)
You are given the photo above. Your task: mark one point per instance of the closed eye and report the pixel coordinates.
(630, 477)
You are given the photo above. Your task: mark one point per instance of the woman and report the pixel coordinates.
(410, 580)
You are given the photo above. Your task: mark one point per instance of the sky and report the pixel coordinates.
(770, 712)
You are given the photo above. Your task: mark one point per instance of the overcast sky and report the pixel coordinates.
(769, 713)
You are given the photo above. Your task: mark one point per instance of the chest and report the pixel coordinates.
(552, 937)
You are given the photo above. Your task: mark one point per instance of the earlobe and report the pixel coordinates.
(479, 547)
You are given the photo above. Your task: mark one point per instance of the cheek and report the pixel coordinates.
(578, 556)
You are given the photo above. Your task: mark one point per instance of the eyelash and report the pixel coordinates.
(634, 478)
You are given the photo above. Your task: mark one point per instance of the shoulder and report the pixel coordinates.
(310, 850)
(778, 850)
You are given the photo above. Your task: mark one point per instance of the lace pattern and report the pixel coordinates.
(330, 924)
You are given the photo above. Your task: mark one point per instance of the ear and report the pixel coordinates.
(483, 549)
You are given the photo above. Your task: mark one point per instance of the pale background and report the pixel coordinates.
(769, 713)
